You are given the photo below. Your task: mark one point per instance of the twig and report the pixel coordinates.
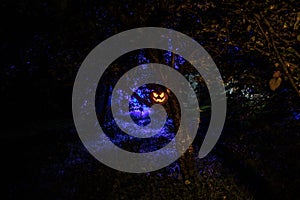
(173, 61)
(261, 51)
(257, 18)
(284, 40)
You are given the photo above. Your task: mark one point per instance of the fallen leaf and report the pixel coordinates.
(187, 182)
(249, 28)
(274, 83)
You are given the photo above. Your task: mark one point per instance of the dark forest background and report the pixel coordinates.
(256, 46)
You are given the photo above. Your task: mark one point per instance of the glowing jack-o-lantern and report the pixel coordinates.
(159, 97)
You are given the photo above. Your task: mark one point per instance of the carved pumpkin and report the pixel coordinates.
(159, 97)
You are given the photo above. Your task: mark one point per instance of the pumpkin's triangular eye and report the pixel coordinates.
(155, 94)
(162, 95)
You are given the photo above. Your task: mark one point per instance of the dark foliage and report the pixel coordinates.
(255, 45)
